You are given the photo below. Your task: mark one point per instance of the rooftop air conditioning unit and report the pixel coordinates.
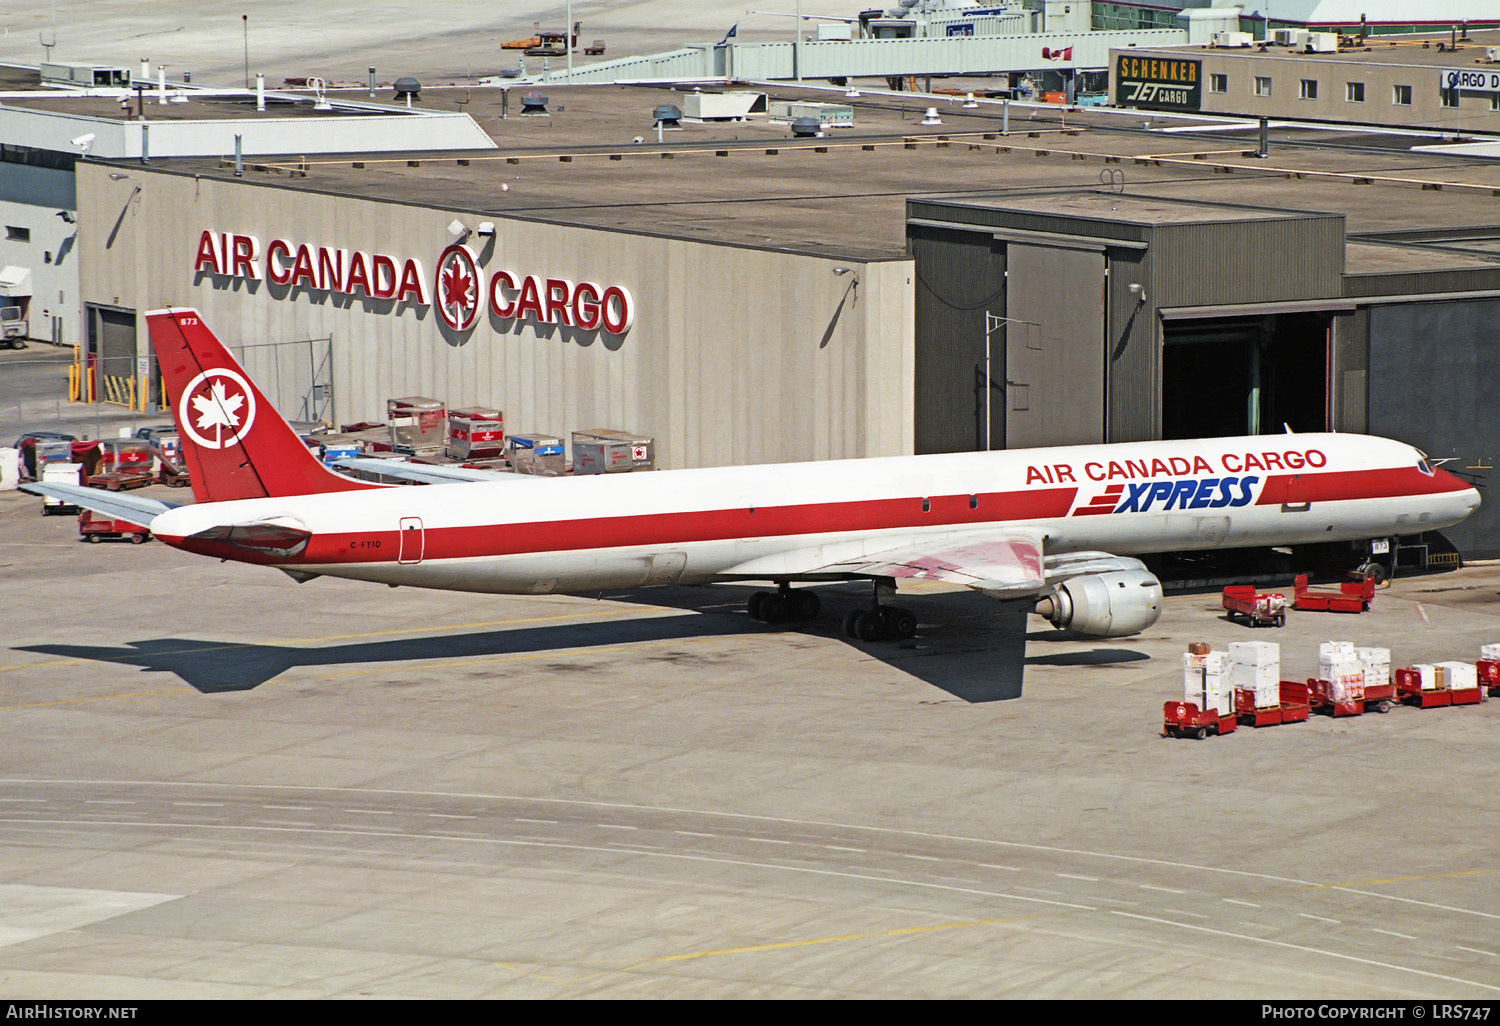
(1492, 54)
(1289, 37)
(1322, 42)
(1233, 39)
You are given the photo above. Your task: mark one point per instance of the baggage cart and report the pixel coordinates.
(1322, 698)
(1293, 708)
(1351, 597)
(536, 454)
(1489, 676)
(1185, 719)
(417, 423)
(607, 451)
(1255, 609)
(1429, 687)
(95, 527)
(475, 433)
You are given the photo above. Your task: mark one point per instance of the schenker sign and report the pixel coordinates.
(458, 290)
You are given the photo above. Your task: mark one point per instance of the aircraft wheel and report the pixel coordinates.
(757, 605)
(902, 623)
(1373, 572)
(851, 623)
(775, 609)
(807, 604)
(870, 626)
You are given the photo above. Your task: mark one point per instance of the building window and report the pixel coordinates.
(1218, 83)
(1450, 97)
(14, 234)
(1401, 96)
(1309, 90)
(1262, 86)
(1354, 92)
(1494, 101)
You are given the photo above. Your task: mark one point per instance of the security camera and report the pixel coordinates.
(486, 228)
(84, 142)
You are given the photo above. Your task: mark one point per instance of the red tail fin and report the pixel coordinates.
(236, 445)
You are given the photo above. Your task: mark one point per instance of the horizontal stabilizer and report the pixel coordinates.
(426, 473)
(136, 509)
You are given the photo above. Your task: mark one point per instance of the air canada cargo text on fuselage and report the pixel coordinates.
(458, 290)
(1175, 482)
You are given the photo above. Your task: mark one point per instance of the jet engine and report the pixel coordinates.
(1104, 605)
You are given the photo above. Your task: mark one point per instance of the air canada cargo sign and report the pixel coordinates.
(458, 290)
(1157, 83)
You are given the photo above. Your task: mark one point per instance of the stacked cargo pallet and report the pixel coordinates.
(1207, 705)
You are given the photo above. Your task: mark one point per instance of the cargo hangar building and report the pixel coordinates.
(744, 295)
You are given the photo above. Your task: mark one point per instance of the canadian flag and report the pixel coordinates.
(1057, 55)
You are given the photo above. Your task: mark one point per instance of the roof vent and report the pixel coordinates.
(668, 116)
(407, 88)
(806, 128)
(534, 104)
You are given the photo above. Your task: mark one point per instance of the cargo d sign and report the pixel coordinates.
(457, 290)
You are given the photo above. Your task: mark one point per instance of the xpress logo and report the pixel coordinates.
(217, 408)
(1183, 493)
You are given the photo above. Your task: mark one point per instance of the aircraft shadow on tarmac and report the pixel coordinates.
(964, 645)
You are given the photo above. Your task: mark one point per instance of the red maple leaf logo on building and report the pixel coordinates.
(458, 285)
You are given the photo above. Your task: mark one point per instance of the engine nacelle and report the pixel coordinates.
(1107, 605)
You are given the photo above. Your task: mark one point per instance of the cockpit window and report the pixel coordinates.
(1424, 467)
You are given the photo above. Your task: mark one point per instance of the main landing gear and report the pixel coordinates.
(880, 623)
(784, 605)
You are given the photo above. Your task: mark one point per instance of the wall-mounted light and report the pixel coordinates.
(486, 228)
(1138, 291)
(458, 230)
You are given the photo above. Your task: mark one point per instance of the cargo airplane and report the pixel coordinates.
(1052, 531)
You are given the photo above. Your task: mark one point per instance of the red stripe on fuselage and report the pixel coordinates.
(1342, 485)
(665, 529)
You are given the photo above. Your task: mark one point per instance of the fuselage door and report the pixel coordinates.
(412, 540)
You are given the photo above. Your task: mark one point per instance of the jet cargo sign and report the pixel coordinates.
(1157, 83)
(458, 291)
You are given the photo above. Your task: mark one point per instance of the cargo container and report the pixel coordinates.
(606, 451)
(475, 432)
(417, 423)
(536, 454)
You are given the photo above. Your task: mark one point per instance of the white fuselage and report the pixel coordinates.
(572, 534)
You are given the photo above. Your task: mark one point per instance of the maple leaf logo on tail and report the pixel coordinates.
(218, 410)
(220, 415)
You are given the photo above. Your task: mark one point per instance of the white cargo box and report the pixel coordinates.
(1376, 663)
(1428, 675)
(1205, 681)
(1256, 666)
(1490, 652)
(1459, 676)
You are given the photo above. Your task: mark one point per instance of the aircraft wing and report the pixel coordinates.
(1004, 565)
(134, 508)
(426, 473)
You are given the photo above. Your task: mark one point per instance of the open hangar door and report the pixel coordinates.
(1245, 375)
(1433, 368)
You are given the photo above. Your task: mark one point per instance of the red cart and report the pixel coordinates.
(1185, 719)
(95, 527)
(1352, 596)
(1293, 708)
(1255, 609)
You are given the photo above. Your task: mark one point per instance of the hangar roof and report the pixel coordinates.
(595, 160)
